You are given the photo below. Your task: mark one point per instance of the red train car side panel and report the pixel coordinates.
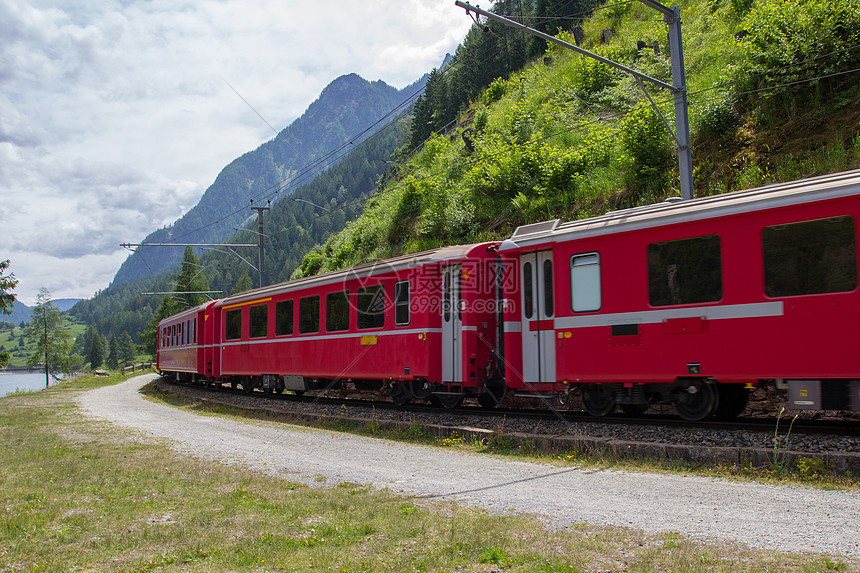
(705, 288)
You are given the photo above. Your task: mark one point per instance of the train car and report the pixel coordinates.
(181, 344)
(692, 302)
(420, 326)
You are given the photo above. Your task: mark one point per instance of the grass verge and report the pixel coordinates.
(79, 495)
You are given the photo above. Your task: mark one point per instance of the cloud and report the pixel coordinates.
(115, 116)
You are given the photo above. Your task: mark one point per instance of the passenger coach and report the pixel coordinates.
(417, 325)
(692, 302)
(181, 343)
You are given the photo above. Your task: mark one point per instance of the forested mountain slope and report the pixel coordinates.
(774, 96)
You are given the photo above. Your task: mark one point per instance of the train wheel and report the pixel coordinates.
(420, 389)
(597, 399)
(733, 401)
(234, 384)
(247, 386)
(697, 400)
(400, 393)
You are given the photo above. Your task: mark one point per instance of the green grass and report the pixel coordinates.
(80, 495)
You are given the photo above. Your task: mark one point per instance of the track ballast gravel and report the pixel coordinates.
(784, 518)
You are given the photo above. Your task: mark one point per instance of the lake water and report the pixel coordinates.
(22, 381)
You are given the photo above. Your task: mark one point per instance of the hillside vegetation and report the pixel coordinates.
(773, 96)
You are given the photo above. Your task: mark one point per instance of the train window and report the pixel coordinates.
(337, 311)
(585, 283)
(528, 290)
(309, 314)
(402, 303)
(686, 271)
(233, 324)
(548, 304)
(258, 325)
(371, 307)
(194, 331)
(811, 257)
(284, 318)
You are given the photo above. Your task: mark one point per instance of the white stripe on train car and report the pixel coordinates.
(731, 311)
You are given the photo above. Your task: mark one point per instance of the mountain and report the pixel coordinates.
(22, 313)
(347, 111)
(65, 304)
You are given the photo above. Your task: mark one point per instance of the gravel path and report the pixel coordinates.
(783, 518)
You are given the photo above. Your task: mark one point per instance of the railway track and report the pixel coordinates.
(784, 426)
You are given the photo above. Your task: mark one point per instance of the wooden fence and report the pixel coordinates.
(141, 367)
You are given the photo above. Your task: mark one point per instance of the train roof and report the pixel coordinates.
(676, 210)
(361, 271)
(186, 313)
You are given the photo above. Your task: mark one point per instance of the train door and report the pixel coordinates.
(538, 310)
(452, 325)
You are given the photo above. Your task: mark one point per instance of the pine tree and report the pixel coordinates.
(97, 350)
(113, 353)
(7, 283)
(244, 283)
(190, 280)
(48, 331)
(127, 350)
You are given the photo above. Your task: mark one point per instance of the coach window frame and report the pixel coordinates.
(309, 314)
(337, 311)
(258, 321)
(528, 290)
(593, 283)
(663, 259)
(285, 318)
(400, 302)
(376, 319)
(809, 252)
(231, 325)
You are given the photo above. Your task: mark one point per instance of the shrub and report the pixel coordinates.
(788, 41)
(718, 116)
(645, 139)
(495, 91)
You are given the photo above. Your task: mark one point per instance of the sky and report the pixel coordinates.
(116, 115)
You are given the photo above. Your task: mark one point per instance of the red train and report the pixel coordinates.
(684, 302)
